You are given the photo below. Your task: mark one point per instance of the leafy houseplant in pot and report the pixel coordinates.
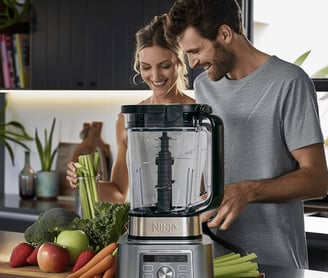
(47, 179)
(12, 132)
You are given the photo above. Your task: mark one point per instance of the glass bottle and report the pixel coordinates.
(27, 179)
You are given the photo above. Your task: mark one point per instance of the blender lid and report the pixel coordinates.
(164, 115)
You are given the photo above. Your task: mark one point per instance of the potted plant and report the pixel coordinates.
(12, 131)
(47, 179)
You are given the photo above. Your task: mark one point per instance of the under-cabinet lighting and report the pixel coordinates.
(84, 93)
(79, 92)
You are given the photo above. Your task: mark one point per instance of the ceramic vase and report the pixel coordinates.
(47, 185)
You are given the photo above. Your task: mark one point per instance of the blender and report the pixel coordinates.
(175, 161)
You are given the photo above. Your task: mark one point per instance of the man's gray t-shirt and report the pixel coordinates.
(266, 115)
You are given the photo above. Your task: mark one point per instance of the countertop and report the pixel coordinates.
(17, 214)
(13, 207)
(20, 210)
(316, 219)
(12, 203)
(10, 239)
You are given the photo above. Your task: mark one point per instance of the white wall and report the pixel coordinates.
(71, 109)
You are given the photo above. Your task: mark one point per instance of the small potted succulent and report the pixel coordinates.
(47, 179)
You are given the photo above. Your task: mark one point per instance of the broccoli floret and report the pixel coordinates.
(36, 234)
(107, 225)
(58, 219)
(49, 224)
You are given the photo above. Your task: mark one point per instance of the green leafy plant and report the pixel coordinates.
(12, 131)
(319, 74)
(46, 153)
(13, 11)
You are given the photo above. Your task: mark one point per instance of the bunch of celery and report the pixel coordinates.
(87, 169)
(235, 265)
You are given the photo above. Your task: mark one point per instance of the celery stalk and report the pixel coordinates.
(89, 164)
(87, 185)
(234, 265)
(246, 258)
(234, 270)
(86, 168)
(226, 257)
(79, 169)
(84, 200)
(249, 274)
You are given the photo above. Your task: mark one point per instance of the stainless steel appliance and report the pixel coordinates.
(175, 155)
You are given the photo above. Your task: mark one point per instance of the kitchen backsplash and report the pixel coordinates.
(71, 110)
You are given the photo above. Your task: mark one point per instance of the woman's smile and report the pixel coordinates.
(158, 68)
(159, 83)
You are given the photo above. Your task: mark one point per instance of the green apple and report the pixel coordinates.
(75, 241)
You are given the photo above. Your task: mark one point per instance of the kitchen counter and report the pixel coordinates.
(20, 213)
(316, 227)
(13, 203)
(10, 239)
(17, 214)
(316, 218)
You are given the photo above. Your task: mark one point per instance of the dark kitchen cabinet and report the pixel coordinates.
(87, 44)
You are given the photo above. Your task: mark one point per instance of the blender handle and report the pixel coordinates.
(217, 161)
(217, 179)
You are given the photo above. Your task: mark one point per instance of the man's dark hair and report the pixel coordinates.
(206, 16)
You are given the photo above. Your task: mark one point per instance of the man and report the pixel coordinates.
(274, 155)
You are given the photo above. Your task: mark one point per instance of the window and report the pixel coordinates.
(290, 28)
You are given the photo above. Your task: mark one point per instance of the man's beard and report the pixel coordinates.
(223, 61)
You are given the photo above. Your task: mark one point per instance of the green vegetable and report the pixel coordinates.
(86, 169)
(234, 265)
(227, 257)
(107, 225)
(36, 234)
(49, 224)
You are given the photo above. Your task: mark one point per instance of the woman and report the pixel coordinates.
(161, 66)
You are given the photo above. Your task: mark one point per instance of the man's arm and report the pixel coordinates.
(308, 182)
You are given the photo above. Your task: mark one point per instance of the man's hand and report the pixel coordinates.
(234, 202)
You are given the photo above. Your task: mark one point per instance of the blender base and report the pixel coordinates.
(165, 258)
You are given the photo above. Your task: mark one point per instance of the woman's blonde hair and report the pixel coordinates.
(153, 34)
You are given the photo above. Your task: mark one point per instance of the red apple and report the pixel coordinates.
(53, 257)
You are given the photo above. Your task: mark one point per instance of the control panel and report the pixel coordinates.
(166, 265)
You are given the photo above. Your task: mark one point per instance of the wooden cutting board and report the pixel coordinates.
(27, 271)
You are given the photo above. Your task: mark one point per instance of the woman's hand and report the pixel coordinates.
(71, 175)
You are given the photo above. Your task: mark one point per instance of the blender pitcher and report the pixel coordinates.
(175, 155)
